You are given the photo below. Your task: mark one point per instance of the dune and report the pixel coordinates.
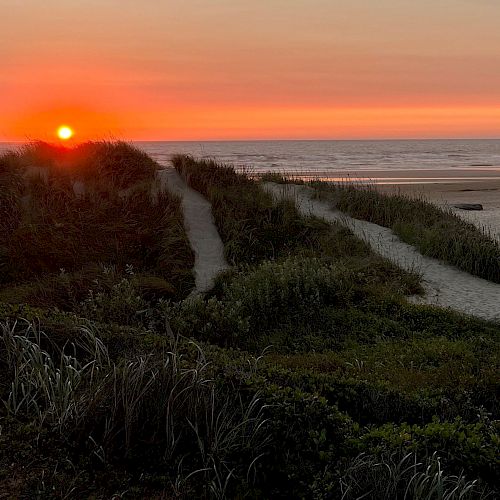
(445, 285)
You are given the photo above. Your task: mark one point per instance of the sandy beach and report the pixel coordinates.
(481, 189)
(446, 187)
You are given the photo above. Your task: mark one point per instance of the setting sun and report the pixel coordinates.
(64, 132)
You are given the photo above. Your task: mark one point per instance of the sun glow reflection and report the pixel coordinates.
(64, 132)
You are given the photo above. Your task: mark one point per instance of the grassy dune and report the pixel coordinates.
(304, 373)
(255, 227)
(56, 243)
(436, 232)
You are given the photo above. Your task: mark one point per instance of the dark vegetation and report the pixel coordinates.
(305, 373)
(76, 219)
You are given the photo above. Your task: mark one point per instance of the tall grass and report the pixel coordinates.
(100, 164)
(47, 228)
(165, 406)
(10, 208)
(252, 224)
(436, 232)
(407, 478)
(256, 227)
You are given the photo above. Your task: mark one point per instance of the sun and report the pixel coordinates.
(64, 132)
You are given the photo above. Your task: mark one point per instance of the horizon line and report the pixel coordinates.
(393, 139)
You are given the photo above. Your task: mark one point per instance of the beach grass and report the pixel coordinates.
(55, 238)
(99, 163)
(436, 232)
(251, 223)
(254, 226)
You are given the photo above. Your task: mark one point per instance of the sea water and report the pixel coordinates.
(418, 159)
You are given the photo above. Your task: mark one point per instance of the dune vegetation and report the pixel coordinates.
(304, 373)
(436, 232)
(79, 219)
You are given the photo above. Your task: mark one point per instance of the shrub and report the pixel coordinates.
(307, 436)
(284, 291)
(122, 303)
(462, 446)
(211, 319)
(261, 298)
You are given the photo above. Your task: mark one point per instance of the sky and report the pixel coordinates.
(250, 69)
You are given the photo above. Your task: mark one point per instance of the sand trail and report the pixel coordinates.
(445, 285)
(200, 229)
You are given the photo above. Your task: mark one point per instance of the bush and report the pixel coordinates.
(261, 298)
(122, 303)
(288, 290)
(307, 436)
(462, 446)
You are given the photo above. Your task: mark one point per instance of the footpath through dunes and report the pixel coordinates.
(200, 229)
(445, 285)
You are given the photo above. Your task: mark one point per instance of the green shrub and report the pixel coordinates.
(462, 446)
(256, 300)
(211, 319)
(121, 304)
(282, 292)
(307, 436)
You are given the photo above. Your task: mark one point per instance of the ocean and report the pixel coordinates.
(395, 161)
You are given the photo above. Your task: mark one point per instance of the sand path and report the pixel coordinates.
(445, 286)
(200, 229)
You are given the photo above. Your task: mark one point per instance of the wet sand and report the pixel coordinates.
(406, 176)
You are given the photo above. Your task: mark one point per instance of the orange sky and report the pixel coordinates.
(241, 69)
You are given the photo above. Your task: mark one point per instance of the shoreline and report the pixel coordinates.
(397, 176)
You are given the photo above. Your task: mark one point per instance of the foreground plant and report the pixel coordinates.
(193, 428)
(407, 478)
